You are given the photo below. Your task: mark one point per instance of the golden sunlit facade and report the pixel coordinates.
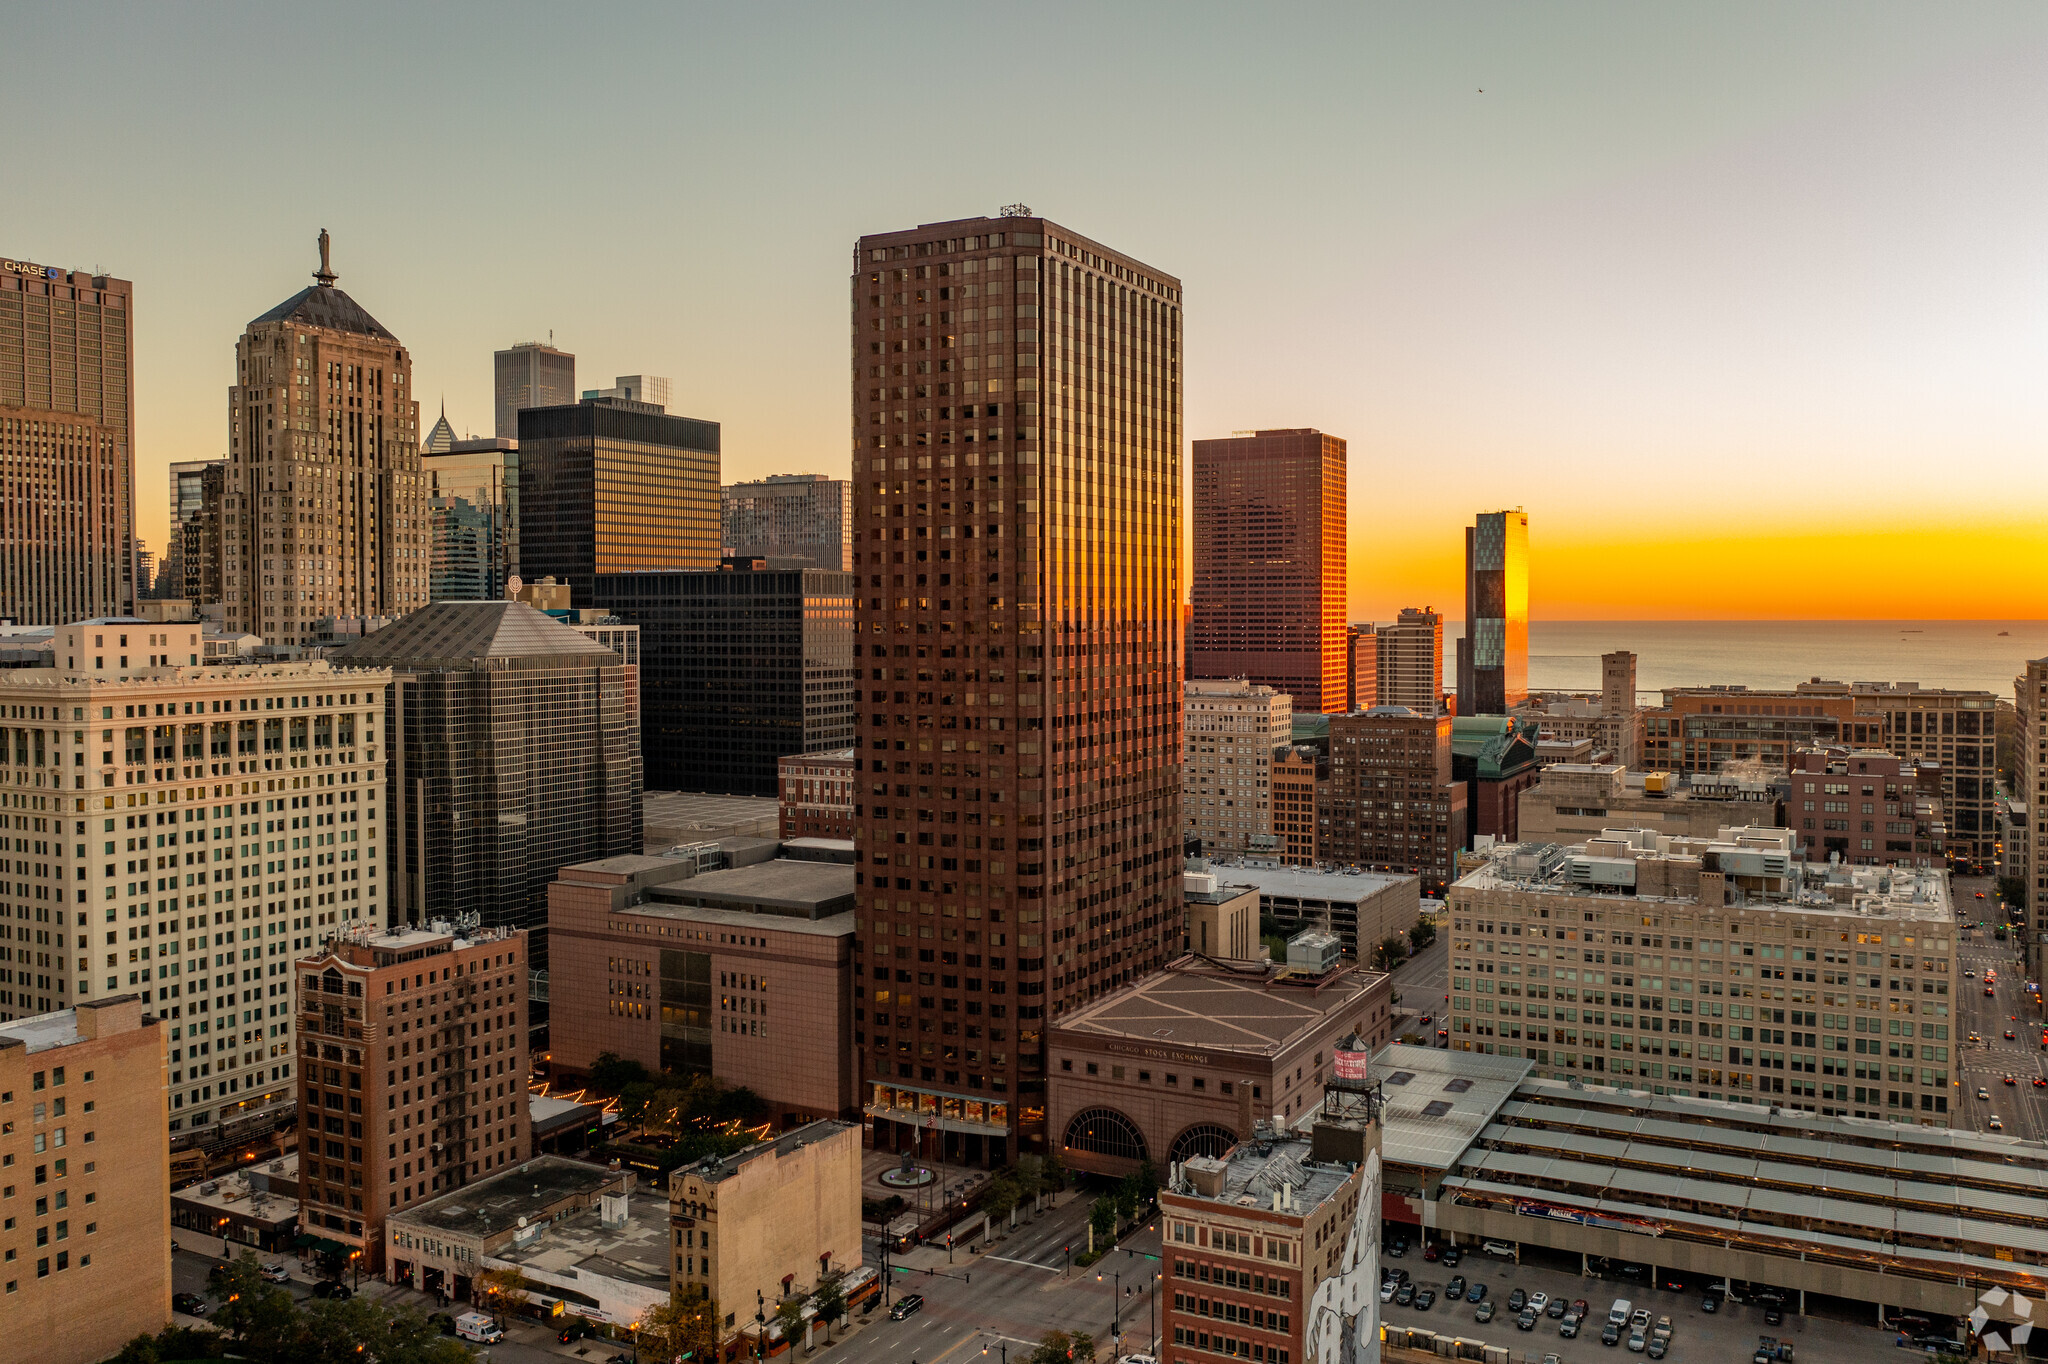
(1017, 429)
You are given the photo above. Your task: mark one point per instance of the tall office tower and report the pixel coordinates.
(214, 816)
(424, 1028)
(513, 752)
(1493, 655)
(740, 668)
(67, 445)
(612, 486)
(184, 567)
(791, 520)
(199, 541)
(441, 439)
(1269, 564)
(651, 389)
(85, 1249)
(1411, 662)
(1394, 803)
(1621, 719)
(530, 375)
(1235, 731)
(325, 511)
(1017, 418)
(484, 473)
(1361, 667)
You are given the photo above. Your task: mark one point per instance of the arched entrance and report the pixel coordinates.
(1201, 1139)
(1105, 1132)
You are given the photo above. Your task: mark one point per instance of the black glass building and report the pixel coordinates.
(612, 486)
(739, 666)
(514, 752)
(1493, 657)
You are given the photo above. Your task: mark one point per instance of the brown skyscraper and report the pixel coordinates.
(1016, 417)
(324, 513)
(1392, 801)
(67, 447)
(1269, 564)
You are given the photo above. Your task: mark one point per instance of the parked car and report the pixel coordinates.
(1711, 1303)
(1673, 1284)
(1453, 1254)
(1499, 1249)
(1478, 1293)
(1581, 1307)
(1430, 1252)
(1526, 1321)
(1557, 1309)
(1425, 1300)
(1517, 1299)
(1569, 1327)
(1638, 1341)
(274, 1273)
(906, 1305)
(332, 1288)
(191, 1304)
(1659, 1347)
(1455, 1289)
(1388, 1289)
(1610, 1334)
(1405, 1295)
(1639, 1320)
(1539, 1303)
(1774, 1315)
(1485, 1312)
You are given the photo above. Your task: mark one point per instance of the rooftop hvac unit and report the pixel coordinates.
(1314, 953)
(1600, 871)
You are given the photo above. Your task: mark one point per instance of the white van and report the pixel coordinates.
(1617, 1315)
(479, 1327)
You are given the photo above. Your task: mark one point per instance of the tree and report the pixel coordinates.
(1148, 1182)
(684, 1327)
(262, 1318)
(1389, 953)
(831, 1304)
(611, 1073)
(1421, 935)
(1000, 1199)
(1053, 1173)
(789, 1315)
(1032, 1180)
(503, 1289)
(1061, 1347)
(1128, 1196)
(1102, 1217)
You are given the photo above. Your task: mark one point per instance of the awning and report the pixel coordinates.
(307, 1241)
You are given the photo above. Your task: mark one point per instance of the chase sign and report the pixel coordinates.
(22, 267)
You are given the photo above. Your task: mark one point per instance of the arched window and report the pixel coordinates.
(1105, 1132)
(1202, 1139)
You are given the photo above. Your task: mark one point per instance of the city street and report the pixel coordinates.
(1421, 983)
(2021, 1107)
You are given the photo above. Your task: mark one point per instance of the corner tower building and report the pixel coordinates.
(325, 509)
(1016, 551)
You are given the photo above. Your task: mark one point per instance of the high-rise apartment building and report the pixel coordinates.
(1410, 671)
(1695, 930)
(420, 1032)
(1233, 730)
(513, 753)
(1493, 654)
(1269, 564)
(67, 445)
(610, 486)
(1295, 791)
(791, 520)
(739, 668)
(195, 824)
(85, 1243)
(476, 546)
(530, 375)
(1017, 420)
(325, 512)
(1393, 802)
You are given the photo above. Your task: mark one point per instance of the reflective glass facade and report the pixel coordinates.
(1493, 657)
(1016, 545)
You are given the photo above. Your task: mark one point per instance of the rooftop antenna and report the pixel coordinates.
(325, 275)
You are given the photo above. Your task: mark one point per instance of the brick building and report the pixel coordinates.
(419, 1031)
(1393, 802)
(85, 1245)
(1296, 774)
(816, 794)
(1867, 807)
(1234, 731)
(1494, 757)
(744, 973)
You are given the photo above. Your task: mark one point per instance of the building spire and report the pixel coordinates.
(325, 275)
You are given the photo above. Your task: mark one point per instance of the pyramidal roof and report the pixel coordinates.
(441, 439)
(476, 634)
(323, 305)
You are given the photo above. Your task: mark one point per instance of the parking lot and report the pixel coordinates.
(1697, 1337)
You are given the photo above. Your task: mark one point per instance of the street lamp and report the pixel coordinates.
(355, 1259)
(1153, 1348)
(1004, 1346)
(1116, 1333)
(760, 1325)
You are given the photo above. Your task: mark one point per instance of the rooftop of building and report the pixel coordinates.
(1242, 1009)
(1437, 1102)
(715, 1169)
(835, 756)
(677, 816)
(1252, 1174)
(1343, 886)
(498, 1204)
(366, 943)
(1817, 686)
(267, 1191)
(1231, 688)
(43, 1031)
(785, 884)
(1761, 869)
(1637, 784)
(476, 635)
(633, 1249)
(1498, 745)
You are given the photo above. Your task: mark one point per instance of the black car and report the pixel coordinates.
(574, 1331)
(1425, 1300)
(906, 1305)
(1455, 1289)
(1405, 1295)
(1610, 1334)
(1451, 1256)
(332, 1288)
(1558, 1307)
(1569, 1327)
(1774, 1315)
(1516, 1299)
(191, 1304)
(1940, 1344)
(1526, 1321)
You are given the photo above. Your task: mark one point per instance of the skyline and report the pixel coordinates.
(1766, 271)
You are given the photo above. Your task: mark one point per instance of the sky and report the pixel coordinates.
(1747, 305)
